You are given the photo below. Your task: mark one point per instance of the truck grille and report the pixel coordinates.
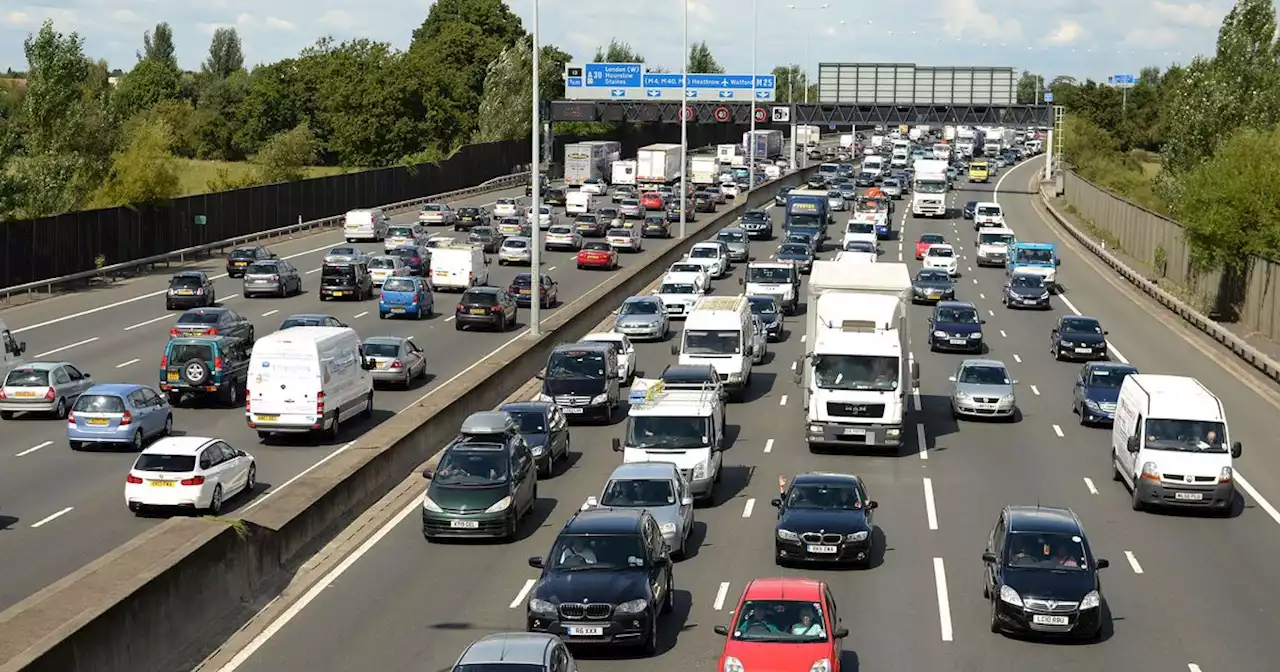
(595, 611)
(818, 538)
(1181, 478)
(844, 410)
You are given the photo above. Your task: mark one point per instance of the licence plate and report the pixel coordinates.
(97, 422)
(478, 311)
(337, 293)
(1189, 496)
(526, 291)
(242, 263)
(1029, 301)
(267, 418)
(854, 432)
(171, 376)
(820, 549)
(571, 410)
(464, 524)
(1083, 350)
(959, 341)
(397, 310)
(442, 274)
(25, 394)
(162, 484)
(581, 631)
(1050, 620)
(185, 292)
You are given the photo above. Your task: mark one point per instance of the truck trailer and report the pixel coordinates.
(768, 144)
(658, 164)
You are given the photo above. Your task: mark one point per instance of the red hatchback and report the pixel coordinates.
(598, 255)
(784, 624)
(926, 240)
(652, 200)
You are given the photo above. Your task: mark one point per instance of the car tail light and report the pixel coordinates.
(397, 364)
(415, 299)
(126, 419)
(173, 331)
(461, 307)
(320, 403)
(133, 479)
(212, 332)
(217, 362)
(164, 361)
(247, 404)
(71, 417)
(497, 309)
(194, 480)
(382, 296)
(200, 291)
(48, 394)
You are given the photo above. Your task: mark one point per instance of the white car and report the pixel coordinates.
(681, 267)
(623, 347)
(516, 250)
(730, 189)
(188, 472)
(437, 214)
(942, 257)
(594, 186)
(713, 255)
(508, 207)
(624, 238)
(546, 217)
(679, 294)
(384, 266)
(562, 237)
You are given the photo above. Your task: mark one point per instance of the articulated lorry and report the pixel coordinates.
(929, 190)
(768, 144)
(658, 164)
(857, 369)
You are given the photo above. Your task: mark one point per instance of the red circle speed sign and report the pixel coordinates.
(723, 114)
(687, 113)
(761, 115)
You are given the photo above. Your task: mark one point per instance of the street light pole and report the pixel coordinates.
(807, 33)
(684, 123)
(755, 30)
(535, 175)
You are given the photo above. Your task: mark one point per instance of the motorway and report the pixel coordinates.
(1184, 592)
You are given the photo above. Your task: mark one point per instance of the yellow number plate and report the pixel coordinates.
(97, 422)
(337, 293)
(172, 376)
(238, 263)
(268, 418)
(162, 484)
(25, 394)
(478, 311)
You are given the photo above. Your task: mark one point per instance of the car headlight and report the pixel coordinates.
(500, 505)
(700, 471)
(1044, 295)
(977, 335)
(543, 397)
(600, 398)
(1008, 398)
(538, 450)
(632, 606)
(856, 536)
(823, 665)
(787, 535)
(1010, 596)
(939, 334)
(962, 395)
(1091, 600)
(668, 528)
(732, 664)
(541, 606)
(1066, 344)
(735, 377)
(429, 505)
(1091, 404)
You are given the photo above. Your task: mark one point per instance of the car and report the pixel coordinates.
(486, 306)
(516, 250)
(622, 348)
(704, 202)
(610, 215)
(310, 320)
(931, 284)
(555, 196)
(1026, 290)
(606, 580)
(547, 216)
(416, 257)
(403, 234)
(241, 257)
(522, 288)
(731, 189)
(213, 322)
(757, 223)
(737, 243)
(1078, 337)
(655, 226)
(385, 266)
(642, 317)
(201, 366)
(780, 198)
(118, 414)
(983, 388)
(892, 187)
(785, 623)
(195, 473)
(346, 280)
(543, 185)
(510, 226)
(631, 208)
(956, 326)
(625, 239)
(673, 212)
(848, 190)
(518, 652)
(396, 360)
(970, 209)
(714, 255)
(766, 308)
(410, 296)
(807, 238)
(484, 484)
(679, 293)
(816, 182)
(469, 216)
(594, 186)
(562, 237)
(588, 225)
(598, 254)
(42, 387)
(620, 191)
(863, 246)
(652, 200)
(190, 289)
(437, 214)
(342, 255)
(660, 489)
(824, 517)
(942, 257)
(836, 202)
(508, 207)
(1097, 390)
(486, 238)
(700, 270)
(801, 254)
(865, 179)
(926, 241)
(546, 431)
(1041, 575)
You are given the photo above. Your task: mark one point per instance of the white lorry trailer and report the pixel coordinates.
(658, 164)
(704, 169)
(808, 135)
(624, 172)
(929, 191)
(585, 161)
(768, 144)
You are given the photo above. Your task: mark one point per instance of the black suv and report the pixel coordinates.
(606, 581)
(203, 366)
(491, 307)
(346, 280)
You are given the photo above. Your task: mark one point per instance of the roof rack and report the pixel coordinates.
(647, 393)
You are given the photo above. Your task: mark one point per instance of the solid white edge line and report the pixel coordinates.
(721, 593)
(930, 509)
(524, 593)
(34, 449)
(1257, 496)
(944, 601)
(52, 517)
(749, 507)
(1133, 562)
(66, 347)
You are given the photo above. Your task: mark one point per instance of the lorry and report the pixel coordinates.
(624, 172)
(658, 164)
(704, 169)
(768, 144)
(857, 368)
(727, 153)
(848, 140)
(929, 188)
(942, 151)
(583, 161)
(808, 211)
(807, 135)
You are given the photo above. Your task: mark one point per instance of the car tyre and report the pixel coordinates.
(75, 445)
(168, 426)
(1135, 501)
(651, 642)
(174, 398)
(233, 394)
(137, 441)
(215, 501)
(60, 411)
(995, 621)
(251, 480)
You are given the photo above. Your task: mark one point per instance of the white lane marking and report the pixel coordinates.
(1257, 496)
(1133, 562)
(793, 366)
(1058, 430)
(915, 400)
(1192, 667)
(750, 506)
(264, 496)
(803, 336)
(228, 298)
(930, 510)
(1110, 346)
(450, 318)
(783, 400)
(150, 321)
(65, 347)
(314, 270)
(922, 441)
(990, 313)
(899, 255)
(1035, 390)
(944, 602)
(269, 313)
(128, 363)
(359, 315)
(1088, 483)
(721, 593)
(552, 268)
(981, 295)
(975, 281)
(768, 446)
(34, 449)
(52, 517)
(1016, 358)
(1003, 335)
(524, 593)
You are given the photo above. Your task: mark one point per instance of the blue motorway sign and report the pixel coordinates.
(611, 75)
(1048, 96)
(1122, 80)
(628, 81)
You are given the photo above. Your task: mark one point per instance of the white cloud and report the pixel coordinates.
(965, 19)
(277, 23)
(17, 20)
(336, 18)
(1067, 32)
(1151, 38)
(1195, 15)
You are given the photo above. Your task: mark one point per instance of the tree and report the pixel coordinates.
(148, 83)
(284, 156)
(617, 52)
(144, 171)
(158, 46)
(701, 60)
(1031, 89)
(791, 84)
(506, 108)
(226, 54)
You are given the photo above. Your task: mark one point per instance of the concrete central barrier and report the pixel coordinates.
(153, 603)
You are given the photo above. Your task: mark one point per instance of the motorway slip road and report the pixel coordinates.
(1184, 592)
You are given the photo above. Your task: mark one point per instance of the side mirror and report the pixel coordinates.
(1237, 449)
(540, 376)
(687, 501)
(776, 502)
(22, 347)
(721, 630)
(982, 321)
(1014, 381)
(429, 473)
(1131, 444)
(1102, 563)
(1053, 330)
(742, 282)
(85, 375)
(951, 378)
(1079, 382)
(1057, 262)
(536, 563)
(931, 320)
(616, 443)
(989, 557)
(873, 505)
(751, 351)
(840, 633)
(241, 453)
(1105, 333)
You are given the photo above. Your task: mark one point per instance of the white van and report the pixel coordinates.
(577, 202)
(370, 224)
(1170, 441)
(719, 332)
(685, 427)
(987, 214)
(11, 352)
(307, 380)
(458, 267)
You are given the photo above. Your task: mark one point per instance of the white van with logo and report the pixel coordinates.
(369, 224)
(11, 350)
(458, 267)
(307, 380)
(1171, 444)
(577, 202)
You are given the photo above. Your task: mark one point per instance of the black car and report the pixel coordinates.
(491, 307)
(757, 223)
(416, 257)
(241, 257)
(1041, 575)
(522, 288)
(1078, 338)
(545, 430)
(583, 380)
(486, 237)
(865, 179)
(590, 225)
(213, 322)
(956, 326)
(703, 202)
(190, 289)
(205, 366)
(1097, 390)
(555, 196)
(673, 212)
(970, 208)
(1026, 290)
(800, 254)
(310, 320)
(766, 308)
(656, 226)
(816, 182)
(931, 284)
(824, 517)
(471, 216)
(606, 580)
(346, 280)
(780, 198)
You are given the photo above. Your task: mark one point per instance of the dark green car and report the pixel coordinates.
(205, 366)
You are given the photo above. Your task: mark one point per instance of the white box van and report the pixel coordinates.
(307, 380)
(1170, 441)
(459, 267)
(368, 224)
(11, 350)
(577, 202)
(719, 332)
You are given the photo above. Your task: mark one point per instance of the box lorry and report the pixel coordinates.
(624, 172)
(929, 188)
(658, 164)
(727, 153)
(768, 144)
(807, 212)
(704, 169)
(807, 135)
(857, 369)
(584, 161)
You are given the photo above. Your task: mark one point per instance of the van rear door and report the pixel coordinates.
(284, 388)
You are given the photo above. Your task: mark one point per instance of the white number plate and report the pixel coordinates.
(580, 631)
(1083, 350)
(1050, 620)
(464, 524)
(958, 341)
(1189, 496)
(821, 549)
(571, 410)
(855, 432)
(1031, 301)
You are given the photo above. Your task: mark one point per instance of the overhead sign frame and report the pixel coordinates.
(629, 81)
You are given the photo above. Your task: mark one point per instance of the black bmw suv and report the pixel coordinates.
(606, 581)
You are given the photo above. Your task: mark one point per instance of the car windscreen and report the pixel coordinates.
(793, 249)
(596, 553)
(1046, 550)
(958, 316)
(99, 403)
(169, 464)
(463, 467)
(639, 308)
(576, 364)
(824, 496)
(531, 422)
(982, 374)
(1107, 379)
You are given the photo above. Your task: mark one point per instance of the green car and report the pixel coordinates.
(484, 484)
(201, 366)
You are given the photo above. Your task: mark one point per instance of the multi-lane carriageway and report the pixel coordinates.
(1184, 592)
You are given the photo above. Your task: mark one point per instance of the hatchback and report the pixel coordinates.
(409, 296)
(518, 651)
(625, 239)
(188, 472)
(396, 360)
(783, 624)
(242, 257)
(190, 289)
(486, 306)
(516, 250)
(416, 257)
(385, 266)
(983, 388)
(213, 322)
(123, 414)
(562, 237)
(522, 289)
(272, 276)
(42, 387)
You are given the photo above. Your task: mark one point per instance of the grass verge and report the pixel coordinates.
(194, 175)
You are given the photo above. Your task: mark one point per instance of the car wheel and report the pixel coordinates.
(368, 404)
(382, 315)
(137, 441)
(1135, 501)
(669, 604)
(233, 394)
(651, 642)
(168, 426)
(60, 411)
(251, 480)
(174, 398)
(995, 622)
(75, 445)
(215, 501)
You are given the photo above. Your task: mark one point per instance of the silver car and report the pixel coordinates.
(385, 266)
(42, 387)
(343, 255)
(631, 208)
(524, 651)
(396, 360)
(642, 317)
(736, 240)
(892, 188)
(437, 214)
(516, 250)
(271, 276)
(983, 388)
(657, 487)
(836, 202)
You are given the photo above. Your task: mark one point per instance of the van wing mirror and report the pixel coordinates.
(1132, 444)
(617, 444)
(22, 347)
(989, 557)
(1237, 449)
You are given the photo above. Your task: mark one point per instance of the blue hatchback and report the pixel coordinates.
(118, 413)
(408, 296)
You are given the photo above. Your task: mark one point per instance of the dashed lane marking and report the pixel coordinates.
(66, 347)
(748, 508)
(524, 593)
(131, 362)
(768, 446)
(930, 510)
(721, 593)
(52, 517)
(34, 449)
(944, 601)
(1058, 430)
(1133, 562)
(1088, 483)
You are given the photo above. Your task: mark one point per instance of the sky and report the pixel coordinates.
(1081, 38)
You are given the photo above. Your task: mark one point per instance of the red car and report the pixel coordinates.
(926, 240)
(784, 624)
(598, 254)
(652, 200)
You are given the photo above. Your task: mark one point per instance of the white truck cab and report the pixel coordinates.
(719, 331)
(777, 279)
(993, 245)
(11, 350)
(859, 229)
(681, 426)
(987, 214)
(1170, 441)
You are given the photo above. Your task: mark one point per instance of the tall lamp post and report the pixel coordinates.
(535, 177)
(755, 30)
(807, 34)
(684, 123)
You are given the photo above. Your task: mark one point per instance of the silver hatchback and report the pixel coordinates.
(275, 277)
(42, 387)
(396, 360)
(983, 388)
(525, 651)
(738, 244)
(660, 489)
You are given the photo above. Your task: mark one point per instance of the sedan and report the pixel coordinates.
(190, 289)
(120, 414)
(931, 284)
(396, 360)
(642, 317)
(631, 208)
(272, 276)
(598, 255)
(310, 320)
(545, 431)
(189, 473)
(1097, 390)
(241, 257)
(562, 237)
(956, 326)
(625, 239)
(516, 250)
(1078, 338)
(824, 518)
(343, 255)
(486, 306)
(589, 226)
(437, 214)
(983, 388)
(892, 188)
(42, 387)
(1026, 290)
(213, 322)
(730, 189)
(522, 288)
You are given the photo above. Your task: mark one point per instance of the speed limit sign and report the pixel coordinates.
(722, 114)
(686, 113)
(762, 115)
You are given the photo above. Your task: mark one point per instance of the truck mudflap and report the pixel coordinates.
(870, 435)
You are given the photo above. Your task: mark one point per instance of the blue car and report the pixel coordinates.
(123, 414)
(406, 296)
(1097, 390)
(956, 326)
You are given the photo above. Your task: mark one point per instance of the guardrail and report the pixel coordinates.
(1251, 355)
